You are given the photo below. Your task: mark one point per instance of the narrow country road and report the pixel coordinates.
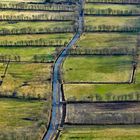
(57, 108)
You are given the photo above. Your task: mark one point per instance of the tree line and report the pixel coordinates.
(109, 11)
(35, 42)
(62, 1)
(6, 58)
(40, 7)
(109, 97)
(104, 51)
(43, 58)
(43, 17)
(114, 1)
(36, 58)
(30, 30)
(110, 28)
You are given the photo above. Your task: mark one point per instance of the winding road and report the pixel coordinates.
(57, 107)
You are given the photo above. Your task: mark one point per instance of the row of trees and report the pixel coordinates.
(114, 1)
(62, 1)
(111, 28)
(6, 58)
(109, 97)
(41, 7)
(104, 51)
(30, 30)
(35, 42)
(47, 17)
(36, 58)
(43, 58)
(110, 11)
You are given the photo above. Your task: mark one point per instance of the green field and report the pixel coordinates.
(36, 15)
(34, 26)
(23, 119)
(98, 69)
(101, 132)
(104, 40)
(104, 92)
(112, 21)
(28, 53)
(36, 40)
(26, 80)
(112, 6)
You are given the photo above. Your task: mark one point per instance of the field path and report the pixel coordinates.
(57, 108)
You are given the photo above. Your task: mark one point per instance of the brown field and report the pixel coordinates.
(103, 113)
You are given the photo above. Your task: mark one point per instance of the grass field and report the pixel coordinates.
(34, 25)
(26, 80)
(28, 53)
(98, 69)
(52, 39)
(101, 132)
(104, 40)
(37, 15)
(104, 92)
(112, 6)
(23, 119)
(112, 21)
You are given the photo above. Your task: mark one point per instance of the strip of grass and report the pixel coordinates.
(98, 69)
(34, 25)
(101, 132)
(37, 15)
(52, 39)
(111, 40)
(105, 92)
(23, 119)
(113, 21)
(26, 80)
(28, 53)
(112, 6)
(32, 37)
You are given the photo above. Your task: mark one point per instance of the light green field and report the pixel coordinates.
(112, 6)
(101, 132)
(28, 53)
(110, 40)
(105, 92)
(34, 25)
(112, 21)
(26, 80)
(53, 39)
(38, 15)
(98, 69)
(23, 119)
(33, 37)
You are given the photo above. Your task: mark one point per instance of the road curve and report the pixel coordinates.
(57, 109)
